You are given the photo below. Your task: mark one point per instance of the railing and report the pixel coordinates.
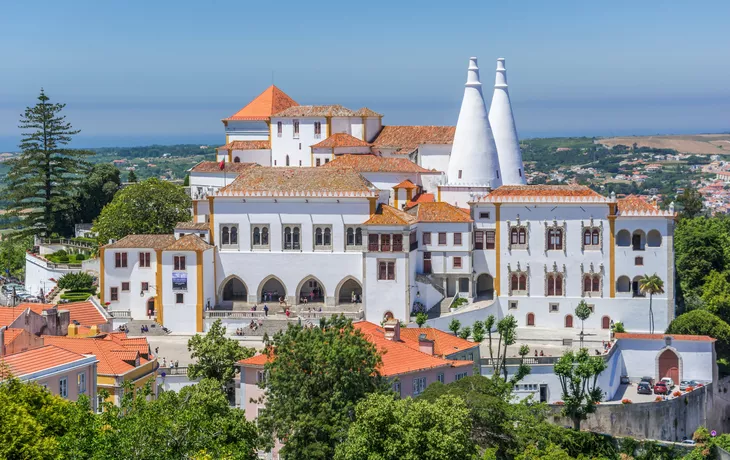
(120, 313)
(66, 242)
(173, 370)
(199, 193)
(234, 314)
(328, 314)
(529, 360)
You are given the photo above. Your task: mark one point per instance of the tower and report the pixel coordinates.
(474, 161)
(505, 132)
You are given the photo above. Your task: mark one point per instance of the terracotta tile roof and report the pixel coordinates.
(408, 138)
(340, 140)
(110, 363)
(142, 241)
(189, 242)
(8, 315)
(544, 191)
(406, 184)
(438, 212)
(246, 145)
(256, 360)
(85, 313)
(421, 198)
(680, 337)
(636, 204)
(271, 101)
(268, 181)
(366, 112)
(443, 343)
(38, 359)
(398, 357)
(374, 163)
(126, 355)
(12, 333)
(316, 111)
(214, 166)
(202, 226)
(388, 215)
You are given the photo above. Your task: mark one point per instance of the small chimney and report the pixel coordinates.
(392, 330)
(425, 345)
(2, 341)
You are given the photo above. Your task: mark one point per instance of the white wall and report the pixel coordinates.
(240, 130)
(373, 126)
(179, 317)
(135, 275)
(434, 156)
(697, 361)
(38, 275)
(382, 296)
(261, 157)
(298, 149)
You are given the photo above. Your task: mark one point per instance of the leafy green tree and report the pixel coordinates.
(43, 179)
(421, 318)
(702, 322)
(690, 203)
(715, 295)
(148, 207)
(454, 326)
(507, 329)
(465, 333)
(216, 355)
(578, 374)
(701, 246)
(583, 312)
(550, 452)
(12, 254)
(477, 333)
(651, 284)
(76, 281)
(131, 177)
(96, 191)
(390, 428)
(315, 379)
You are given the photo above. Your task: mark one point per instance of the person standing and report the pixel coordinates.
(266, 310)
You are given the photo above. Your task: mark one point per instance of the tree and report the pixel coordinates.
(147, 207)
(131, 177)
(96, 191)
(583, 312)
(715, 296)
(702, 322)
(421, 318)
(454, 326)
(690, 202)
(315, 378)
(44, 178)
(651, 284)
(216, 355)
(386, 427)
(507, 329)
(80, 281)
(578, 374)
(12, 255)
(701, 245)
(477, 333)
(465, 333)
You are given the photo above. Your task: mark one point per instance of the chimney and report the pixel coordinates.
(392, 330)
(504, 130)
(425, 345)
(2, 341)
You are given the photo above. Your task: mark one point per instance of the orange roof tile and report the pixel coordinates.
(633, 203)
(421, 198)
(189, 242)
(268, 181)
(315, 111)
(38, 359)
(256, 360)
(142, 241)
(246, 145)
(340, 140)
(12, 333)
(271, 101)
(366, 112)
(214, 167)
(438, 212)
(126, 355)
(544, 191)
(110, 363)
(85, 313)
(10, 314)
(200, 226)
(408, 138)
(680, 337)
(443, 343)
(388, 215)
(374, 163)
(406, 184)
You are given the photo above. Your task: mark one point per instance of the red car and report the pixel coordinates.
(660, 388)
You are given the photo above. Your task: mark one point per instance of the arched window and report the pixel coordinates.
(596, 237)
(234, 235)
(623, 284)
(514, 236)
(623, 238)
(596, 286)
(237, 160)
(587, 237)
(515, 282)
(295, 238)
(287, 238)
(256, 236)
(530, 319)
(287, 160)
(523, 236)
(523, 282)
(591, 284)
(569, 321)
(554, 284)
(350, 236)
(358, 237)
(265, 236)
(278, 128)
(587, 283)
(555, 239)
(518, 236)
(654, 239)
(318, 237)
(327, 236)
(606, 322)
(225, 236)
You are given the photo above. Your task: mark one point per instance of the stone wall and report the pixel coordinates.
(671, 420)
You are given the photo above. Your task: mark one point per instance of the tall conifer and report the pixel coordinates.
(43, 178)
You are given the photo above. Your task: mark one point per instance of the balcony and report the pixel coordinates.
(201, 193)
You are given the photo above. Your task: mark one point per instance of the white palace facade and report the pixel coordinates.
(323, 207)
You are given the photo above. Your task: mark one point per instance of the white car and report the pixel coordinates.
(668, 382)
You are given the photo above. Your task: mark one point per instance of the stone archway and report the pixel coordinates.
(345, 289)
(233, 289)
(485, 286)
(311, 289)
(271, 289)
(669, 364)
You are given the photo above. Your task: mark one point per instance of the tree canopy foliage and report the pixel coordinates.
(216, 355)
(578, 373)
(96, 191)
(702, 322)
(76, 281)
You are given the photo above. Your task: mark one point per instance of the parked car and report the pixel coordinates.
(661, 388)
(669, 382)
(688, 442)
(8, 288)
(643, 388)
(684, 384)
(649, 380)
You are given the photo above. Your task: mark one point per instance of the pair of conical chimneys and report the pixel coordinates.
(486, 149)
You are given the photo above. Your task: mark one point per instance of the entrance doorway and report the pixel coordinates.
(669, 365)
(485, 286)
(311, 291)
(272, 290)
(234, 290)
(350, 292)
(151, 307)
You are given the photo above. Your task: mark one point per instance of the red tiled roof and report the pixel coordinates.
(189, 242)
(85, 313)
(443, 343)
(214, 166)
(126, 355)
(246, 145)
(110, 363)
(366, 112)
(438, 212)
(633, 203)
(544, 191)
(680, 337)
(406, 184)
(256, 360)
(374, 163)
(271, 101)
(142, 241)
(408, 138)
(10, 314)
(388, 215)
(268, 181)
(12, 333)
(315, 111)
(340, 140)
(201, 226)
(421, 198)
(38, 359)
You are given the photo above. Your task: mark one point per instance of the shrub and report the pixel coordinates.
(701, 435)
(677, 393)
(80, 257)
(62, 259)
(76, 281)
(689, 389)
(658, 398)
(59, 253)
(626, 401)
(619, 327)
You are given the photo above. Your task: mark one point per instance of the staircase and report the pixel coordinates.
(440, 308)
(134, 326)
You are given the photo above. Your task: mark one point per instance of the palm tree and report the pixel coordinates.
(651, 284)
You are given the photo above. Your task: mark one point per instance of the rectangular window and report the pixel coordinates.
(555, 239)
(484, 215)
(638, 261)
(125, 286)
(296, 129)
(442, 239)
(419, 385)
(82, 383)
(317, 129)
(554, 307)
(385, 243)
(396, 388)
(114, 294)
(478, 239)
(179, 298)
(120, 260)
(426, 238)
(386, 270)
(179, 263)
(278, 129)
(397, 243)
(490, 239)
(460, 376)
(260, 236)
(144, 259)
(513, 305)
(145, 287)
(318, 162)
(441, 377)
(260, 376)
(229, 236)
(457, 239)
(457, 262)
(427, 263)
(292, 237)
(373, 243)
(63, 387)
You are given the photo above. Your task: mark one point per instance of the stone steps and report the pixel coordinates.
(155, 329)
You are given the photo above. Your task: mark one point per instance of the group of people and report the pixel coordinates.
(123, 328)
(266, 309)
(174, 363)
(541, 353)
(253, 325)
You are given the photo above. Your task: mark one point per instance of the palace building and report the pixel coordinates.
(319, 209)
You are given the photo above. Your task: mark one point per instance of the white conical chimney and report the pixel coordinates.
(473, 158)
(505, 132)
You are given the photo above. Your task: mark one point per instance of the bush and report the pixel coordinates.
(658, 398)
(619, 327)
(75, 296)
(80, 257)
(701, 435)
(626, 401)
(677, 393)
(62, 259)
(59, 253)
(76, 282)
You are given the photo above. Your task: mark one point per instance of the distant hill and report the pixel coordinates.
(710, 144)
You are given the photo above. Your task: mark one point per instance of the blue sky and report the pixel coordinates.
(139, 72)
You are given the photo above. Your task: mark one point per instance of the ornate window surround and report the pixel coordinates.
(526, 227)
(592, 226)
(592, 273)
(555, 271)
(555, 226)
(519, 272)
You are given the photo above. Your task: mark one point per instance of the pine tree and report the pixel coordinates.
(43, 179)
(131, 177)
